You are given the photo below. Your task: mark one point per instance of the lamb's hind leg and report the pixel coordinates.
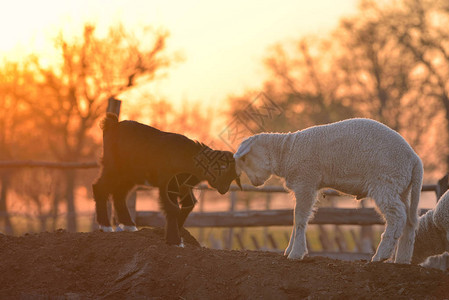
(305, 199)
(101, 196)
(120, 195)
(404, 250)
(395, 216)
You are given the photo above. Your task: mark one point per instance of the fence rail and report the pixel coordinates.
(48, 164)
(275, 217)
(94, 164)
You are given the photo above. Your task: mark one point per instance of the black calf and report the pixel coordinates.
(135, 154)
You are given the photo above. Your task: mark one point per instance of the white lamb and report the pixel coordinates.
(360, 157)
(432, 234)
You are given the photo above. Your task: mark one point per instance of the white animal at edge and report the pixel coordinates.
(432, 236)
(361, 157)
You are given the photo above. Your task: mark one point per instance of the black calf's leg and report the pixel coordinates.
(169, 205)
(188, 202)
(101, 196)
(119, 196)
(172, 236)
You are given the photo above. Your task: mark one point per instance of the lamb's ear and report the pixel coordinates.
(244, 147)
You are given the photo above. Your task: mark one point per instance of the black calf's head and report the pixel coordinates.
(218, 168)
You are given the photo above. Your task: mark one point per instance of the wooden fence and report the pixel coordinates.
(250, 218)
(272, 217)
(364, 218)
(264, 218)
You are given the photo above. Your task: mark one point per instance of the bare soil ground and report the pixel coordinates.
(139, 265)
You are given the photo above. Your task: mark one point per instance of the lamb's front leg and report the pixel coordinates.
(291, 241)
(305, 199)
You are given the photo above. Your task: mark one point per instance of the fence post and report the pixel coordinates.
(233, 198)
(201, 239)
(442, 186)
(4, 214)
(114, 106)
(265, 229)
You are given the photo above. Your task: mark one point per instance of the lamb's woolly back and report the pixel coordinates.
(324, 149)
(277, 147)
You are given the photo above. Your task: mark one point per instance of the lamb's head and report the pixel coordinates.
(218, 168)
(251, 157)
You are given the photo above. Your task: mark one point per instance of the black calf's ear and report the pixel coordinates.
(237, 180)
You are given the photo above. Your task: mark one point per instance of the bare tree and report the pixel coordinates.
(304, 83)
(378, 63)
(71, 96)
(37, 189)
(376, 71)
(422, 28)
(14, 125)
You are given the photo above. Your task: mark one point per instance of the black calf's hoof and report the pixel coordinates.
(106, 228)
(173, 241)
(130, 228)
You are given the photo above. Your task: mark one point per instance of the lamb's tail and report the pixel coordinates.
(416, 185)
(109, 122)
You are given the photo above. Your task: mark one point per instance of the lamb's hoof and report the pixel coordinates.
(106, 228)
(400, 261)
(378, 259)
(130, 228)
(295, 256)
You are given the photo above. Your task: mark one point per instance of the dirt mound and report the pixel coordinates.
(140, 265)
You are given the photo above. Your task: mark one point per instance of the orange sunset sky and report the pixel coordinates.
(223, 43)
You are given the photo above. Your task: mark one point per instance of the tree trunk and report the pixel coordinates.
(70, 198)
(3, 204)
(54, 209)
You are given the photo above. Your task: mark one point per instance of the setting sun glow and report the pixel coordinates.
(222, 43)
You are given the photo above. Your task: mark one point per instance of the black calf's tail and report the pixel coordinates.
(109, 122)
(109, 125)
